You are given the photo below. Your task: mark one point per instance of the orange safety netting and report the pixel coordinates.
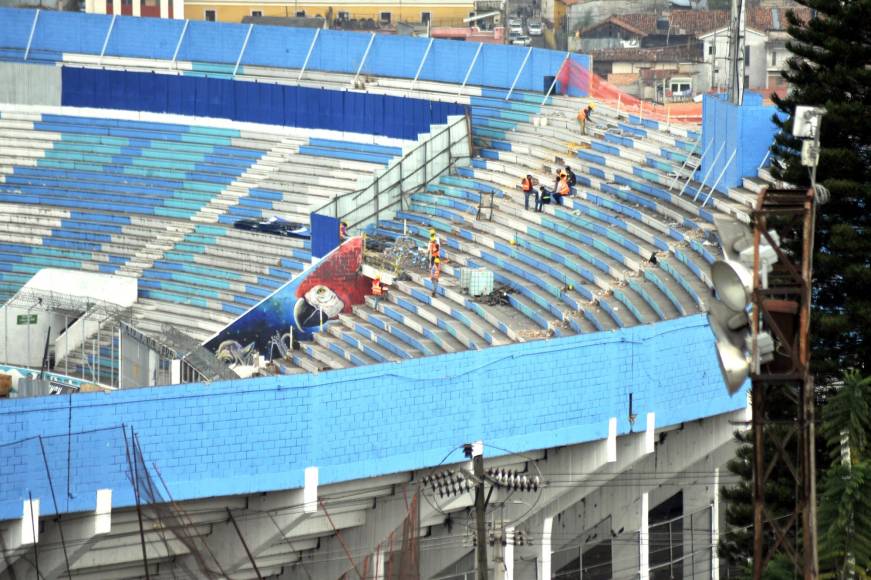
(574, 76)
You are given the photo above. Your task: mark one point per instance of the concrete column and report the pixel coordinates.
(164, 8)
(545, 549)
(89, 6)
(715, 527)
(178, 9)
(99, 6)
(644, 539)
(137, 7)
(116, 6)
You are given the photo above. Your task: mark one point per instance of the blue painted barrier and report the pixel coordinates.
(272, 104)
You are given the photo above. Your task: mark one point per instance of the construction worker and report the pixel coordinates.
(587, 114)
(433, 249)
(528, 187)
(571, 176)
(563, 189)
(434, 272)
(377, 288)
(343, 232)
(542, 198)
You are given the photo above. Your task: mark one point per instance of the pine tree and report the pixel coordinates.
(845, 506)
(832, 69)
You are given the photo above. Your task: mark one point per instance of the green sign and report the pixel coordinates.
(27, 319)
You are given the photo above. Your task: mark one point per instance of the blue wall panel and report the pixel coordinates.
(498, 65)
(397, 56)
(258, 435)
(448, 61)
(70, 32)
(254, 102)
(325, 234)
(746, 130)
(15, 27)
(277, 46)
(145, 37)
(212, 42)
(338, 51)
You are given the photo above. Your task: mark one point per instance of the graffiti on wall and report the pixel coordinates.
(300, 308)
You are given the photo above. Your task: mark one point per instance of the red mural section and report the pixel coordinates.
(340, 272)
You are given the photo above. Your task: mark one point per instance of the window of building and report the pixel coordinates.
(385, 17)
(257, 13)
(300, 13)
(711, 49)
(746, 56)
(773, 58)
(344, 15)
(210, 15)
(425, 17)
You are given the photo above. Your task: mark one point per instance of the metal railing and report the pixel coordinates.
(413, 171)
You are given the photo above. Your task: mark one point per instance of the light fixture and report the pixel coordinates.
(732, 279)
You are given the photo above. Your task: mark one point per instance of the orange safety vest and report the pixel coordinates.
(376, 288)
(434, 249)
(527, 185)
(564, 187)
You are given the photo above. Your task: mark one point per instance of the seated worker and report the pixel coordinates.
(528, 187)
(377, 288)
(571, 175)
(563, 189)
(542, 198)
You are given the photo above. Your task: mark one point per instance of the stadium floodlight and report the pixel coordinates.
(732, 279)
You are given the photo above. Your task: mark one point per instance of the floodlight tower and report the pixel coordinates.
(771, 346)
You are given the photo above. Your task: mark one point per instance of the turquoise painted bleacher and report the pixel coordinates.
(352, 151)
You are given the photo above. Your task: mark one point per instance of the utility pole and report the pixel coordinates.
(476, 451)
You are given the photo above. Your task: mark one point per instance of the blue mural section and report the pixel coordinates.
(214, 48)
(304, 305)
(748, 131)
(259, 435)
(272, 104)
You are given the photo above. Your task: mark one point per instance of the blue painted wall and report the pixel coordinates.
(207, 44)
(747, 129)
(259, 435)
(272, 104)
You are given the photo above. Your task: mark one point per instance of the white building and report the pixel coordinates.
(716, 55)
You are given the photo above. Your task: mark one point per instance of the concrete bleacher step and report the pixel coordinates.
(359, 323)
(345, 333)
(443, 335)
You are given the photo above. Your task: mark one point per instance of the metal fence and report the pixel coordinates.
(413, 171)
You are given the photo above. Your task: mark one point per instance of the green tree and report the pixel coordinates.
(845, 505)
(831, 68)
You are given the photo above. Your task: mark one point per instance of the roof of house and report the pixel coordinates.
(696, 22)
(673, 54)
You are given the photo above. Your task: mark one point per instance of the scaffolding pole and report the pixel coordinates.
(242, 52)
(519, 71)
(553, 84)
(363, 60)
(106, 40)
(32, 33)
(422, 62)
(180, 39)
(469, 70)
(308, 55)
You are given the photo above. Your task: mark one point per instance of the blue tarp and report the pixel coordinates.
(272, 104)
